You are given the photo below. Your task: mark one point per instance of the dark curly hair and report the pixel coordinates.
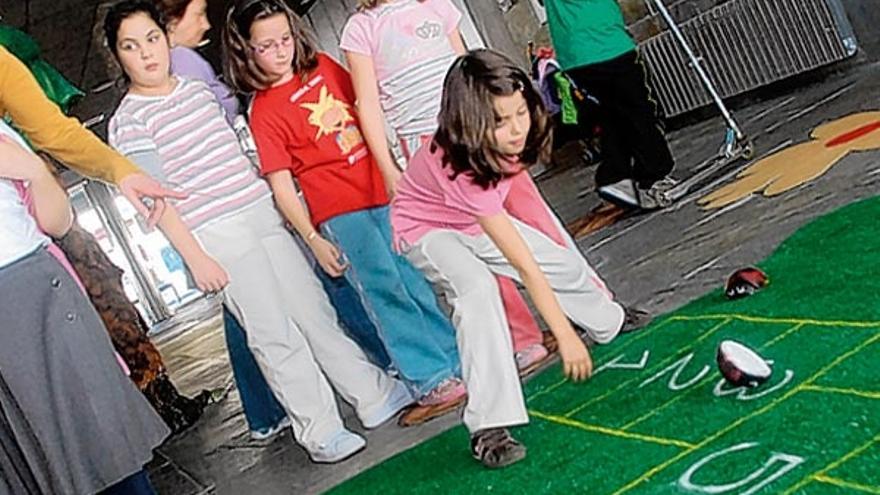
(122, 11)
(467, 117)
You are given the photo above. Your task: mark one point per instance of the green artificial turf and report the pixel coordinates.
(673, 426)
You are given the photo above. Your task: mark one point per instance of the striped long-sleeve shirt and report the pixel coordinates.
(184, 140)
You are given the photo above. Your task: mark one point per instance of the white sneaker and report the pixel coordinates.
(621, 192)
(397, 400)
(339, 447)
(271, 432)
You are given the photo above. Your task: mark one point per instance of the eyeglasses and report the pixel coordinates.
(273, 45)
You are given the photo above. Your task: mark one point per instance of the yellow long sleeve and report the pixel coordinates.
(50, 130)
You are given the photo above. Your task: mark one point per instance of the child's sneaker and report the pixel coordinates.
(622, 193)
(657, 196)
(399, 399)
(266, 434)
(448, 391)
(339, 447)
(528, 359)
(495, 448)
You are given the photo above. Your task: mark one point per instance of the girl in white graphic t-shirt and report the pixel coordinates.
(399, 52)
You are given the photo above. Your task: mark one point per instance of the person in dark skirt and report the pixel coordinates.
(71, 422)
(101, 279)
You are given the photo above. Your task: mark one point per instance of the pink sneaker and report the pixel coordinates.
(449, 390)
(530, 357)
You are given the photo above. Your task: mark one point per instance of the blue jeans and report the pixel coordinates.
(399, 300)
(261, 409)
(136, 484)
(350, 311)
(354, 318)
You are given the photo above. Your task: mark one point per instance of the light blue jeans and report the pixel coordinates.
(418, 336)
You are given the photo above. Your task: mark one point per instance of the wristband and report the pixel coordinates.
(312, 235)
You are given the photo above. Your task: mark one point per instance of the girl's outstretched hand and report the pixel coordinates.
(576, 362)
(328, 256)
(137, 187)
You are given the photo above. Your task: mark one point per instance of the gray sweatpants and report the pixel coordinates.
(462, 267)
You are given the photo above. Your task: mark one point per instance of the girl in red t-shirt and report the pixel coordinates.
(307, 130)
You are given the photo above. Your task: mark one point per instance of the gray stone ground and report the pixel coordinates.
(658, 261)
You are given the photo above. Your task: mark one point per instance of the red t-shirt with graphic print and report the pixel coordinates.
(310, 127)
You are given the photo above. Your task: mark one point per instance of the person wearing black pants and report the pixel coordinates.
(595, 50)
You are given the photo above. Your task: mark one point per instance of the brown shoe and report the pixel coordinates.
(635, 319)
(495, 448)
(418, 414)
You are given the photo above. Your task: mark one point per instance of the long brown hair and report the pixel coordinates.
(467, 116)
(239, 66)
(173, 10)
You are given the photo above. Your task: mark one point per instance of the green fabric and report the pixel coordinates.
(586, 32)
(634, 429)
(55, 85)
(563, 90)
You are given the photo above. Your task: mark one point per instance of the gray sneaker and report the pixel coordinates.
(657, 196)
(622, 192)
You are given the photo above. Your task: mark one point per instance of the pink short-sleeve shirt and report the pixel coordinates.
(427, 199)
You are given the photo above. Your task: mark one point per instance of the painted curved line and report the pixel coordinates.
(742, 392)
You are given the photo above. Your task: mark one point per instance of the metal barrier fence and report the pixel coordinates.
(746, 44)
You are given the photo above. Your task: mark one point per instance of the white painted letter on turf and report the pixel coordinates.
(678, 366)
(616, 364)
(788, 461)
(742, 393)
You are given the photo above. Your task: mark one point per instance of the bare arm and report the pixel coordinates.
(457, 42)
(51, 207)
(363, 77)
(208, 274)
(291, 207)
(575, 357)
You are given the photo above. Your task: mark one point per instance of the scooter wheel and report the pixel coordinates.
(748, 151)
